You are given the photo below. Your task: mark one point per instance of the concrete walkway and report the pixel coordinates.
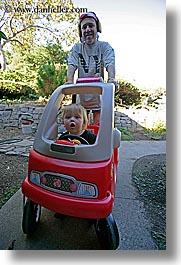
(74, 233)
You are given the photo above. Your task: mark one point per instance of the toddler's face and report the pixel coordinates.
(73, 122)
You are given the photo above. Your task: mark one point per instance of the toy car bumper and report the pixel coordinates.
(67, 205)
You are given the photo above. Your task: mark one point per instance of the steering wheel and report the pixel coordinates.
(73, 137)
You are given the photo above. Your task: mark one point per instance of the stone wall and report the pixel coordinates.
(136, 119)
(11, 115)
(132, 119)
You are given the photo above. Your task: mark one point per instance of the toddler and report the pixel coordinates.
(75, 120)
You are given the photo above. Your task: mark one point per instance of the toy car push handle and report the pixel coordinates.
(89, 79)
(86, 80)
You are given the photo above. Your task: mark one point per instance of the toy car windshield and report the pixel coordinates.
(107, 137)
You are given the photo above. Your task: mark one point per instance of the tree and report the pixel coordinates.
(2, 56)
(128, 94)
(26, 21)
(21, 79)
(50, 77)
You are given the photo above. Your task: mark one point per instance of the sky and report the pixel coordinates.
(136, 29)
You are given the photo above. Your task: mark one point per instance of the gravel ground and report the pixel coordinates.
(149, 176)
(13, 168)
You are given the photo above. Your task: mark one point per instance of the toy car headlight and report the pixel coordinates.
(87, 190)
(35, 177)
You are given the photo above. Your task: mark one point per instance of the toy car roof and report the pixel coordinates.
(107, 138)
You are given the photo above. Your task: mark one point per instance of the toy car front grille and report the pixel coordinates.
(64, 184)
(56, 182)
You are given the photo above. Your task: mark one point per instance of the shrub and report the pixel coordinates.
(158, 130)
(50, 77)
(128, 94)
(18, 82)
(125, 134)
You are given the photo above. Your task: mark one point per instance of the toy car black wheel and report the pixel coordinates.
(31, 216)
(107, 233)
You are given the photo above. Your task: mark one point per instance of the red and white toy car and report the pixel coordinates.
(70, 179)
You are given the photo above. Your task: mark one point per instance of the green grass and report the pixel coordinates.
(7, 195)
(125, 134)
(158, 130)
